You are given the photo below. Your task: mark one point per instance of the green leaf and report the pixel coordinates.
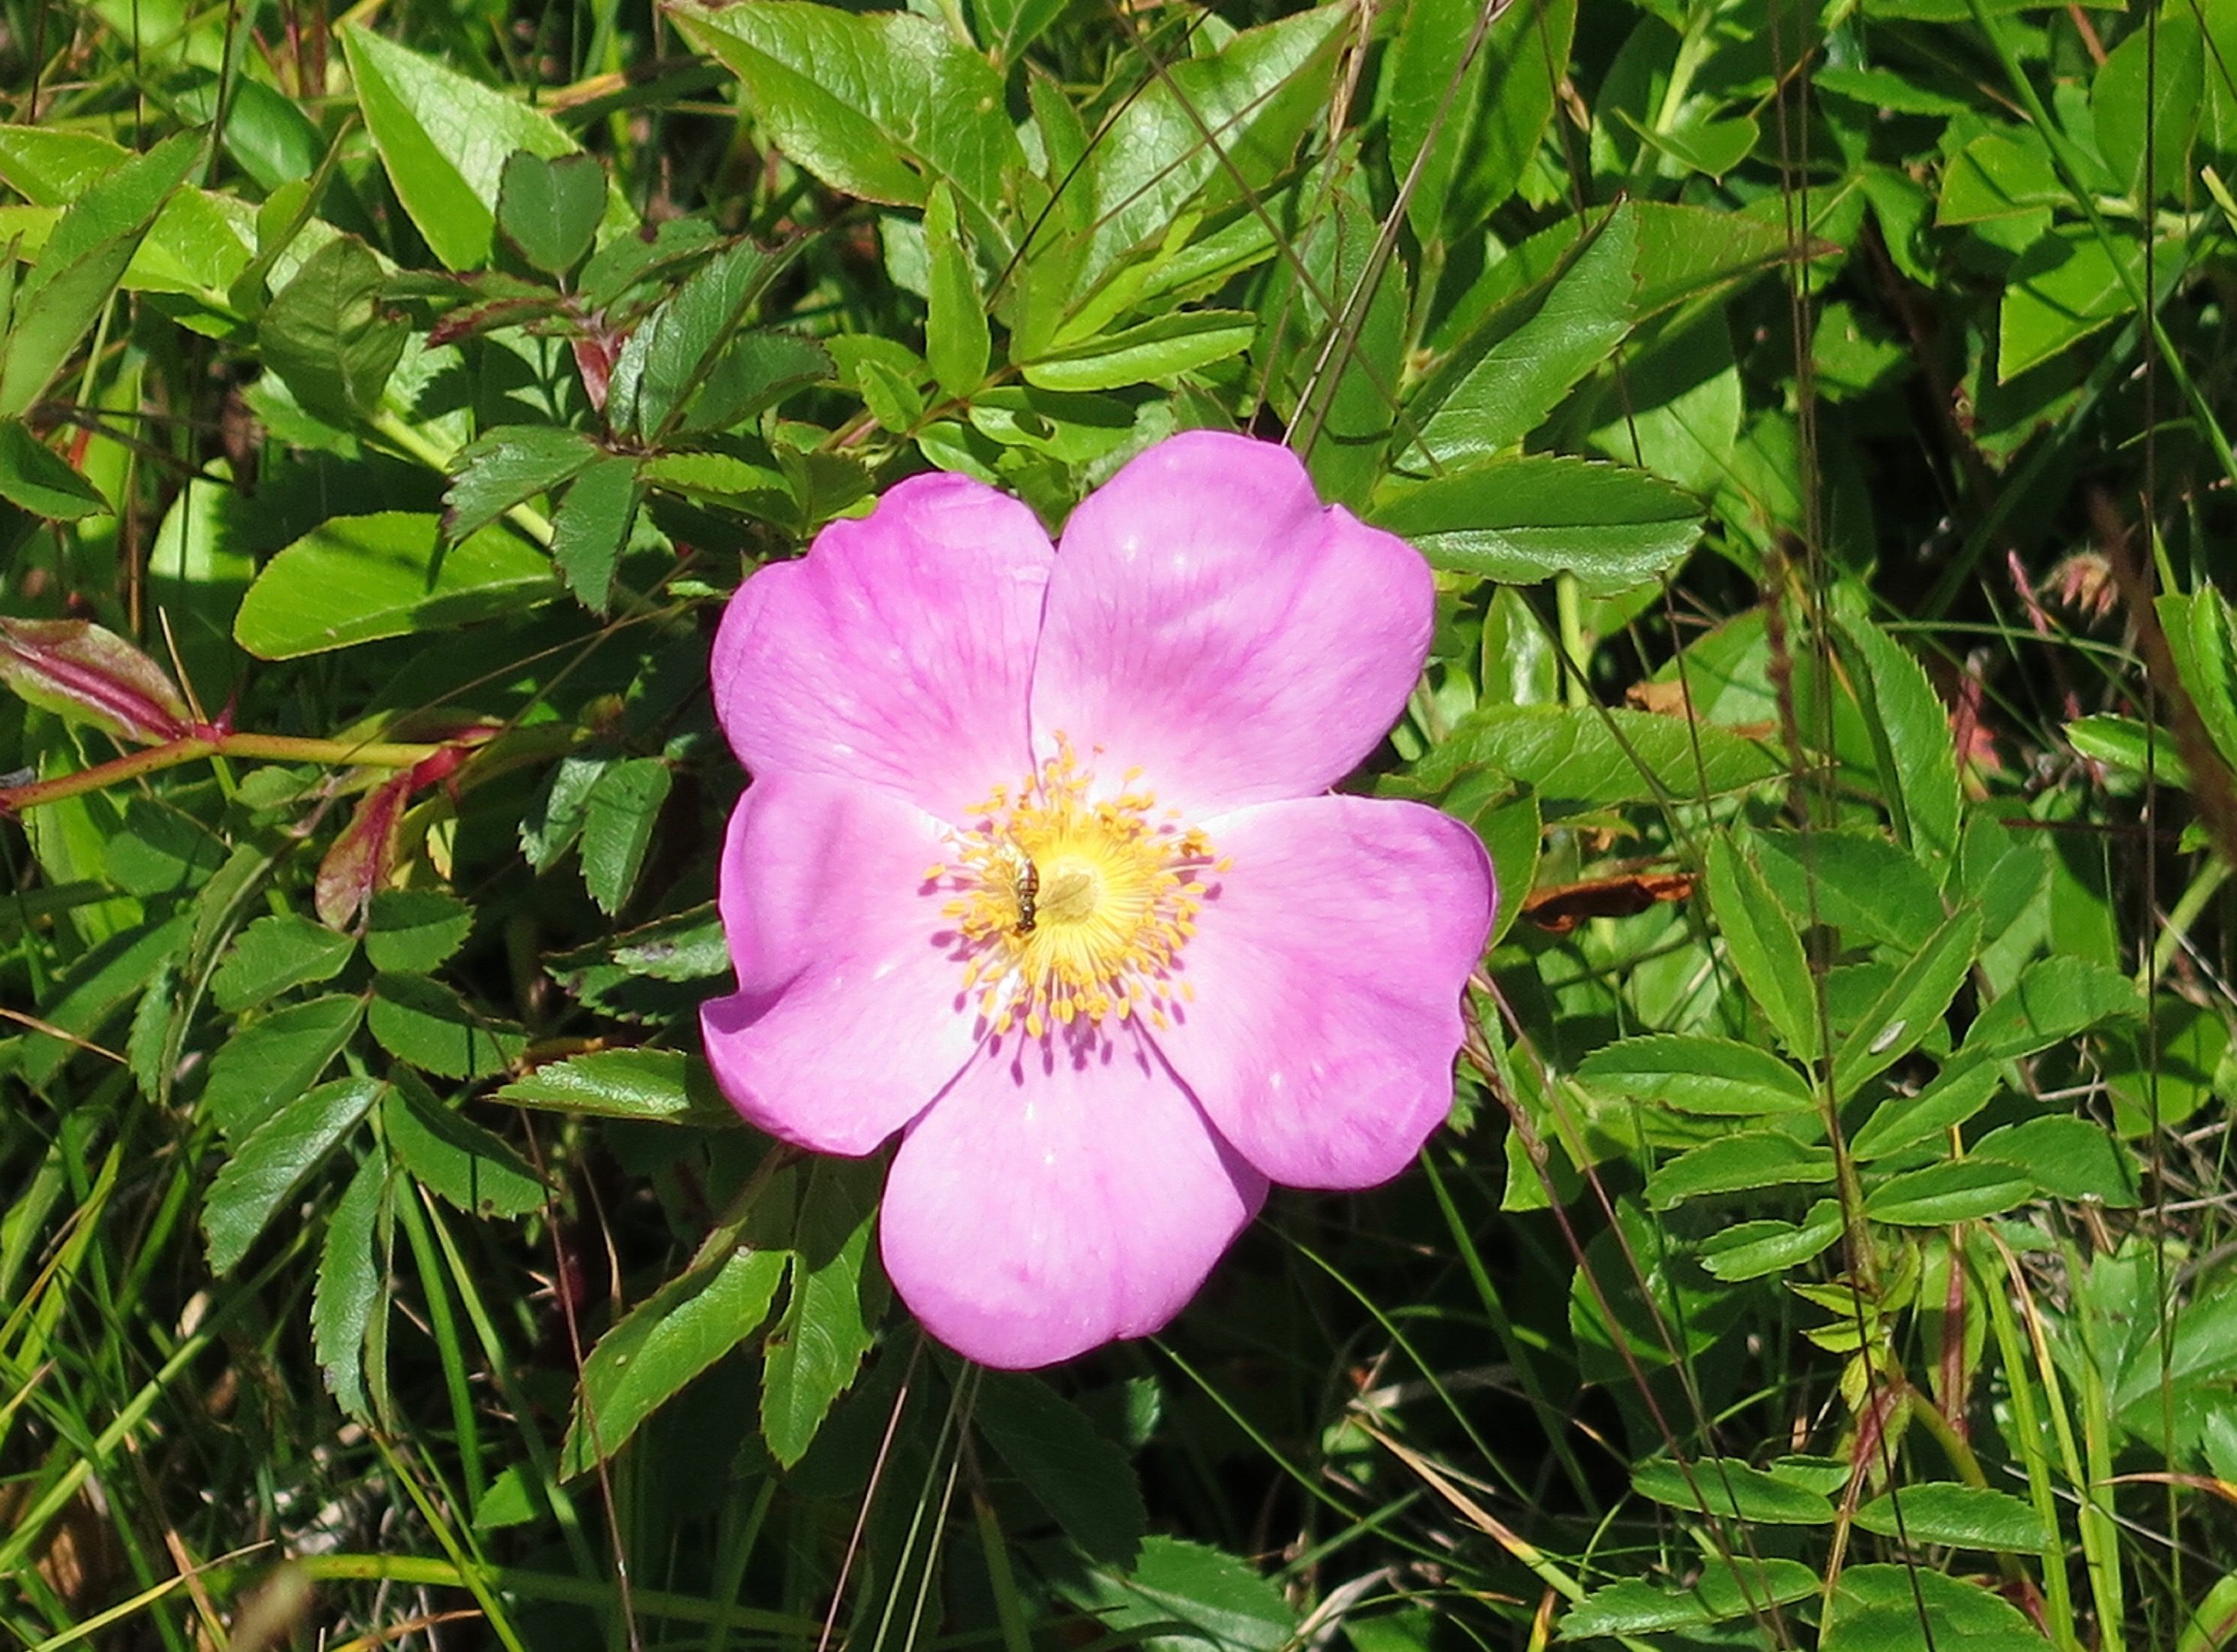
(358, 579)
(877, 104)
(618, 817)
(275, 1059)
(837, 1297)
(422, 1022)
(554, 820)
(2068, 1158)
(1961, 1090)
(160, 852)
(550, 209)
(2201, 634)
(660, 1086)
(675, 351)
(273, 1161)
(2065, 287)
(511, 1499)
(1256, 95)
(443, 140)
(195, 245)
(2158, 1082)
(956, 341)
(148, 1049)
(1879, 1609)
(327, 334)
(1858, 883)
(2146, 100)
(1687, 253)
(455, 1158)
(1433, 89)
(275, 953)
(1729, 1586)
(1731, 1490)
(1194, 1595)
(1717, 1076)
(2000, 175)
(685, 945)
(1750, 1250)
(2130, 746)
(84, 258)
(719, 478)
(1912, 1004)
(1526, 519)
(757, 369)
(1007, 27)
(2054, 999)
(352, 1274)
(1579, 758)
(1961, 1190)
(1514, 368)
(1148, 352)
(662, 1344)
(508, 467)
(35, 478)
(1762, 942)
(414, 931)
(1741, 1163)
(1917, 751)
(1513, 831)
(1498, 111)
(94, 987)
(1080, 1478)
(1334, 347)
(1711, 147)
(1075, 429)
(592, 528)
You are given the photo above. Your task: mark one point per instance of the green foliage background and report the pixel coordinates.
(1815, 416)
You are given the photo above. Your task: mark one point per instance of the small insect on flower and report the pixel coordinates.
(1029, 892)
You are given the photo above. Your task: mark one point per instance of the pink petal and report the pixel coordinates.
(898, 651)
(848, 1017)
(1212, 624)
(1327, 974)
(1047, 1204)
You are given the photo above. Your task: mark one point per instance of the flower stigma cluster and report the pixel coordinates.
(1069, 908)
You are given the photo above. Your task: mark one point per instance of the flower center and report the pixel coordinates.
(1068, 908)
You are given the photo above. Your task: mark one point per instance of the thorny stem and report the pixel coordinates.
(211, 741)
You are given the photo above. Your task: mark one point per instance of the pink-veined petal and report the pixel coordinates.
(1327, 974)
(898, 651)
(1049, 1203)
(848, 1017)
(1212, 622)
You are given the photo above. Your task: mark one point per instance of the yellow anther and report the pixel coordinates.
(1070, 908)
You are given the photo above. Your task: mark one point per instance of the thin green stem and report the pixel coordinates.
(2176, 928)
(1569, 618)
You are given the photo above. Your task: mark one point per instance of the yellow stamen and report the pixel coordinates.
(1069, 908)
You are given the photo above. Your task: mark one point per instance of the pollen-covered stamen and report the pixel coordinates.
(1069, 908)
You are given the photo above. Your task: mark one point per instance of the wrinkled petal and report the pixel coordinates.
(1212, 622)
(898, 651)
(848, 1017)
(1327, 974)
(1047, 1204)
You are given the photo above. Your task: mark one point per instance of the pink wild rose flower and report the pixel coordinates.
(1038, 868)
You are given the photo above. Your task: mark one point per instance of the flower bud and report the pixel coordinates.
(79, 670)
